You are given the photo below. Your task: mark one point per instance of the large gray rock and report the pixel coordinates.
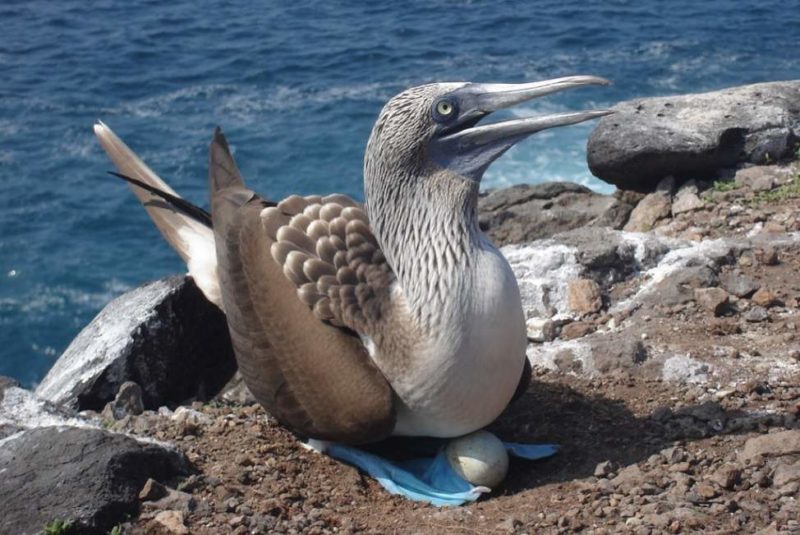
(164, 336)
(56, 465)
(7, 427)
(89, 476)
(695, 135)
(545, 268)
(527, 212)
(5, 383)
(608, 256)
(20, 409)
(679, 286)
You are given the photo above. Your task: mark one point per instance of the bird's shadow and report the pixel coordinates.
(591, 429)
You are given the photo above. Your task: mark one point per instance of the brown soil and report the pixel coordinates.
(638, 454)
(254, 477)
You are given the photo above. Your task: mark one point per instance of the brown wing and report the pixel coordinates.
(327, 250)
(317, 379)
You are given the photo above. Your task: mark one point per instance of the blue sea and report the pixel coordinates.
(296, 87)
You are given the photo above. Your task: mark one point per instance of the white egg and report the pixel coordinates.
(479, 457)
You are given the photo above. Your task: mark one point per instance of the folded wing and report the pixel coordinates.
(314, 375)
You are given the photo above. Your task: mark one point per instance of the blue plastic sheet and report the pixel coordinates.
(428, 479)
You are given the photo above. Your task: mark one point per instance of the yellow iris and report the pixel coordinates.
(444, 108)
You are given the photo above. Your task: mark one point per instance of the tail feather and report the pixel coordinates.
(225, 183)
(184, 229)
(178, 203)
(223, 173)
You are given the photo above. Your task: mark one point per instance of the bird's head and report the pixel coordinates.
(434, 128)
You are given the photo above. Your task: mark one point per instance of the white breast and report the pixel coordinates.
(469, 370)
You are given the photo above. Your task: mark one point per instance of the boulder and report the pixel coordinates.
(540, 329)
(20, 409)
(786, 473)
(772, 445)
(737, 284)
(526, 212)
(764, 297)
(609, 256)
(577, 329)
(693, 136)
(684, 369)
(715, 300)
(7, 382)
(763, 177)
(679, 285)
(7, 427)
(544, 268)
(128, 402)
(652, 209)
(687, 199)
(236, 392)
(171, 522)
(164, 336)
(58, 466)
(616, 353)
(756, 314)
(585, 296)
(90, 477)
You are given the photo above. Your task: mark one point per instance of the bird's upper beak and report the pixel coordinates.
(468, 148)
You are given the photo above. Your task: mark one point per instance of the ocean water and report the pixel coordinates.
(296, 87)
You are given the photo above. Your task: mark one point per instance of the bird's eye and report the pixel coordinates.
(444, 110)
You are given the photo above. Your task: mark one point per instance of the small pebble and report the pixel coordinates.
(604, 469)
(756, 314)
(763, 297)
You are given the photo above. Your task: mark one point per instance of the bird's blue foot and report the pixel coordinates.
(428, 479)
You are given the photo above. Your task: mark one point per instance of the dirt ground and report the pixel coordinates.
(639, 453)
(254, 477)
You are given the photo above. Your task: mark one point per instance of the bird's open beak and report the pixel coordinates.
(468, 148)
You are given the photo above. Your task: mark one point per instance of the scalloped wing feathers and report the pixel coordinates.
(327, 250)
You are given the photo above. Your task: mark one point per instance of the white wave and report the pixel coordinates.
(646, 51)
(78, 146)
(657, 49)
(246, 103)
(705, 63)
(9, 128)
(536, 108)
(553, 155)
(157, 105)
(48, 351)
(670, 83)
(42, 300)
(525, 175)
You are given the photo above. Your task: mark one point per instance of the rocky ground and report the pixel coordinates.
(677, 408)
(634, 459)
(664, 336)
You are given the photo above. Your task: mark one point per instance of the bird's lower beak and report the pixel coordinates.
(471, 148)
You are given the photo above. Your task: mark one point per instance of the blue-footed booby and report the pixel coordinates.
(351, 323)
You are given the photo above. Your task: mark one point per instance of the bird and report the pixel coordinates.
(354, 322)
